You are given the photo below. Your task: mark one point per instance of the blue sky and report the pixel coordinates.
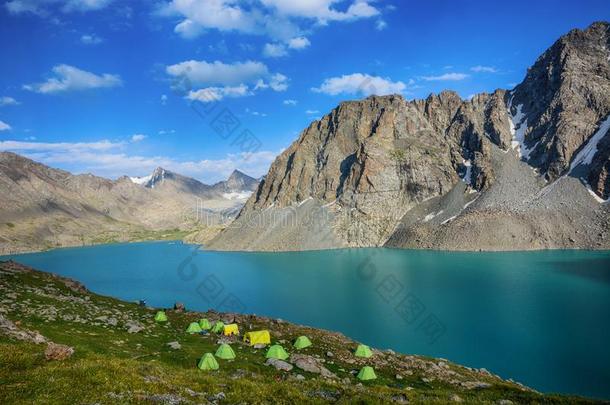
(110, 86)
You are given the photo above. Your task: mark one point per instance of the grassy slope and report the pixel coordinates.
(113, 366)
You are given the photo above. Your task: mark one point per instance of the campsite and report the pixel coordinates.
(152, 358)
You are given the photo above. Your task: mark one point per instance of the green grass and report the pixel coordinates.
(140, 235)
(113, 366)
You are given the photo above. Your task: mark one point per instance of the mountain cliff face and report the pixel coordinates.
(563, 100)
(507, 170)
(42, 207)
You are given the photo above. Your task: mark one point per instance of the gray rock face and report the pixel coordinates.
(311, 365)
(279, 364)
(564, 97)
(386, 171)
(237, 182)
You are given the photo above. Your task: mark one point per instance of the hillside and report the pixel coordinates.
(54, 333)
(42, 207)
(512, 170)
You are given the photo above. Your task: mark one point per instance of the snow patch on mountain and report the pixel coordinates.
(468, 175)
(238, 195)
(585, 156)
(141, 180)
(518, 126)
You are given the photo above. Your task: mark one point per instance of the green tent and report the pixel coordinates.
(208, 362)
(276, 352)
(363, 351)
(302, 342)
(225, 352)
(205, 324)
(218, 327)
(193, 328)
(367, 373)
(161, 317)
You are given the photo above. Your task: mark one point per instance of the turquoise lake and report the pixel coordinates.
(540, 318)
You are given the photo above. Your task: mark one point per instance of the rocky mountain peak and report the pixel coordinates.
(382, 158)
(564, 98)
(237, 182)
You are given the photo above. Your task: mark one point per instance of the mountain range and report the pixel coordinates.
(526, 168)
(42, 207)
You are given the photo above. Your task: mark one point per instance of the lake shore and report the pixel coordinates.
(127, 357)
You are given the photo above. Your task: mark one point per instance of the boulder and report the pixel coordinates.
(279, 364)
(58, 352)
(133, 327)
(311, 365)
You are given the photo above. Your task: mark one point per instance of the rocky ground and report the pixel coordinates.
(53, 333)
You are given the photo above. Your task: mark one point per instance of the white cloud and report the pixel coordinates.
(210, 94)
(166, 131)
(219, 73)
(223, 15)
(299, 43)
(381, 25)
(188, 29)
(138, 137)
(358, 83)
(278, 82)
(8, 101)
(4, 126)
(446, 77)
(91, 39)
(106, 159)
(484, 69)
(290, 102)
(85, 5)
(311, 112)
(255, 113)
(274, 50)
(23, 6)
(279, 20)
(217, 80)
(322, 10)
(44, 8)
(279, 49)
(69, 78)
(102, 145)
(163, 99)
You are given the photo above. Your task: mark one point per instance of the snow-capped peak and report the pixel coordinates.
(142, 181)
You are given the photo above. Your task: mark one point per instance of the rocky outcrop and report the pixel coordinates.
(385, 170)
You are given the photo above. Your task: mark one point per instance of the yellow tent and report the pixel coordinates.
(259, 337)
(231, 329)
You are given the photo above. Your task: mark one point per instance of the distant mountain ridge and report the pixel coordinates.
(521, 169)
(42, 207)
